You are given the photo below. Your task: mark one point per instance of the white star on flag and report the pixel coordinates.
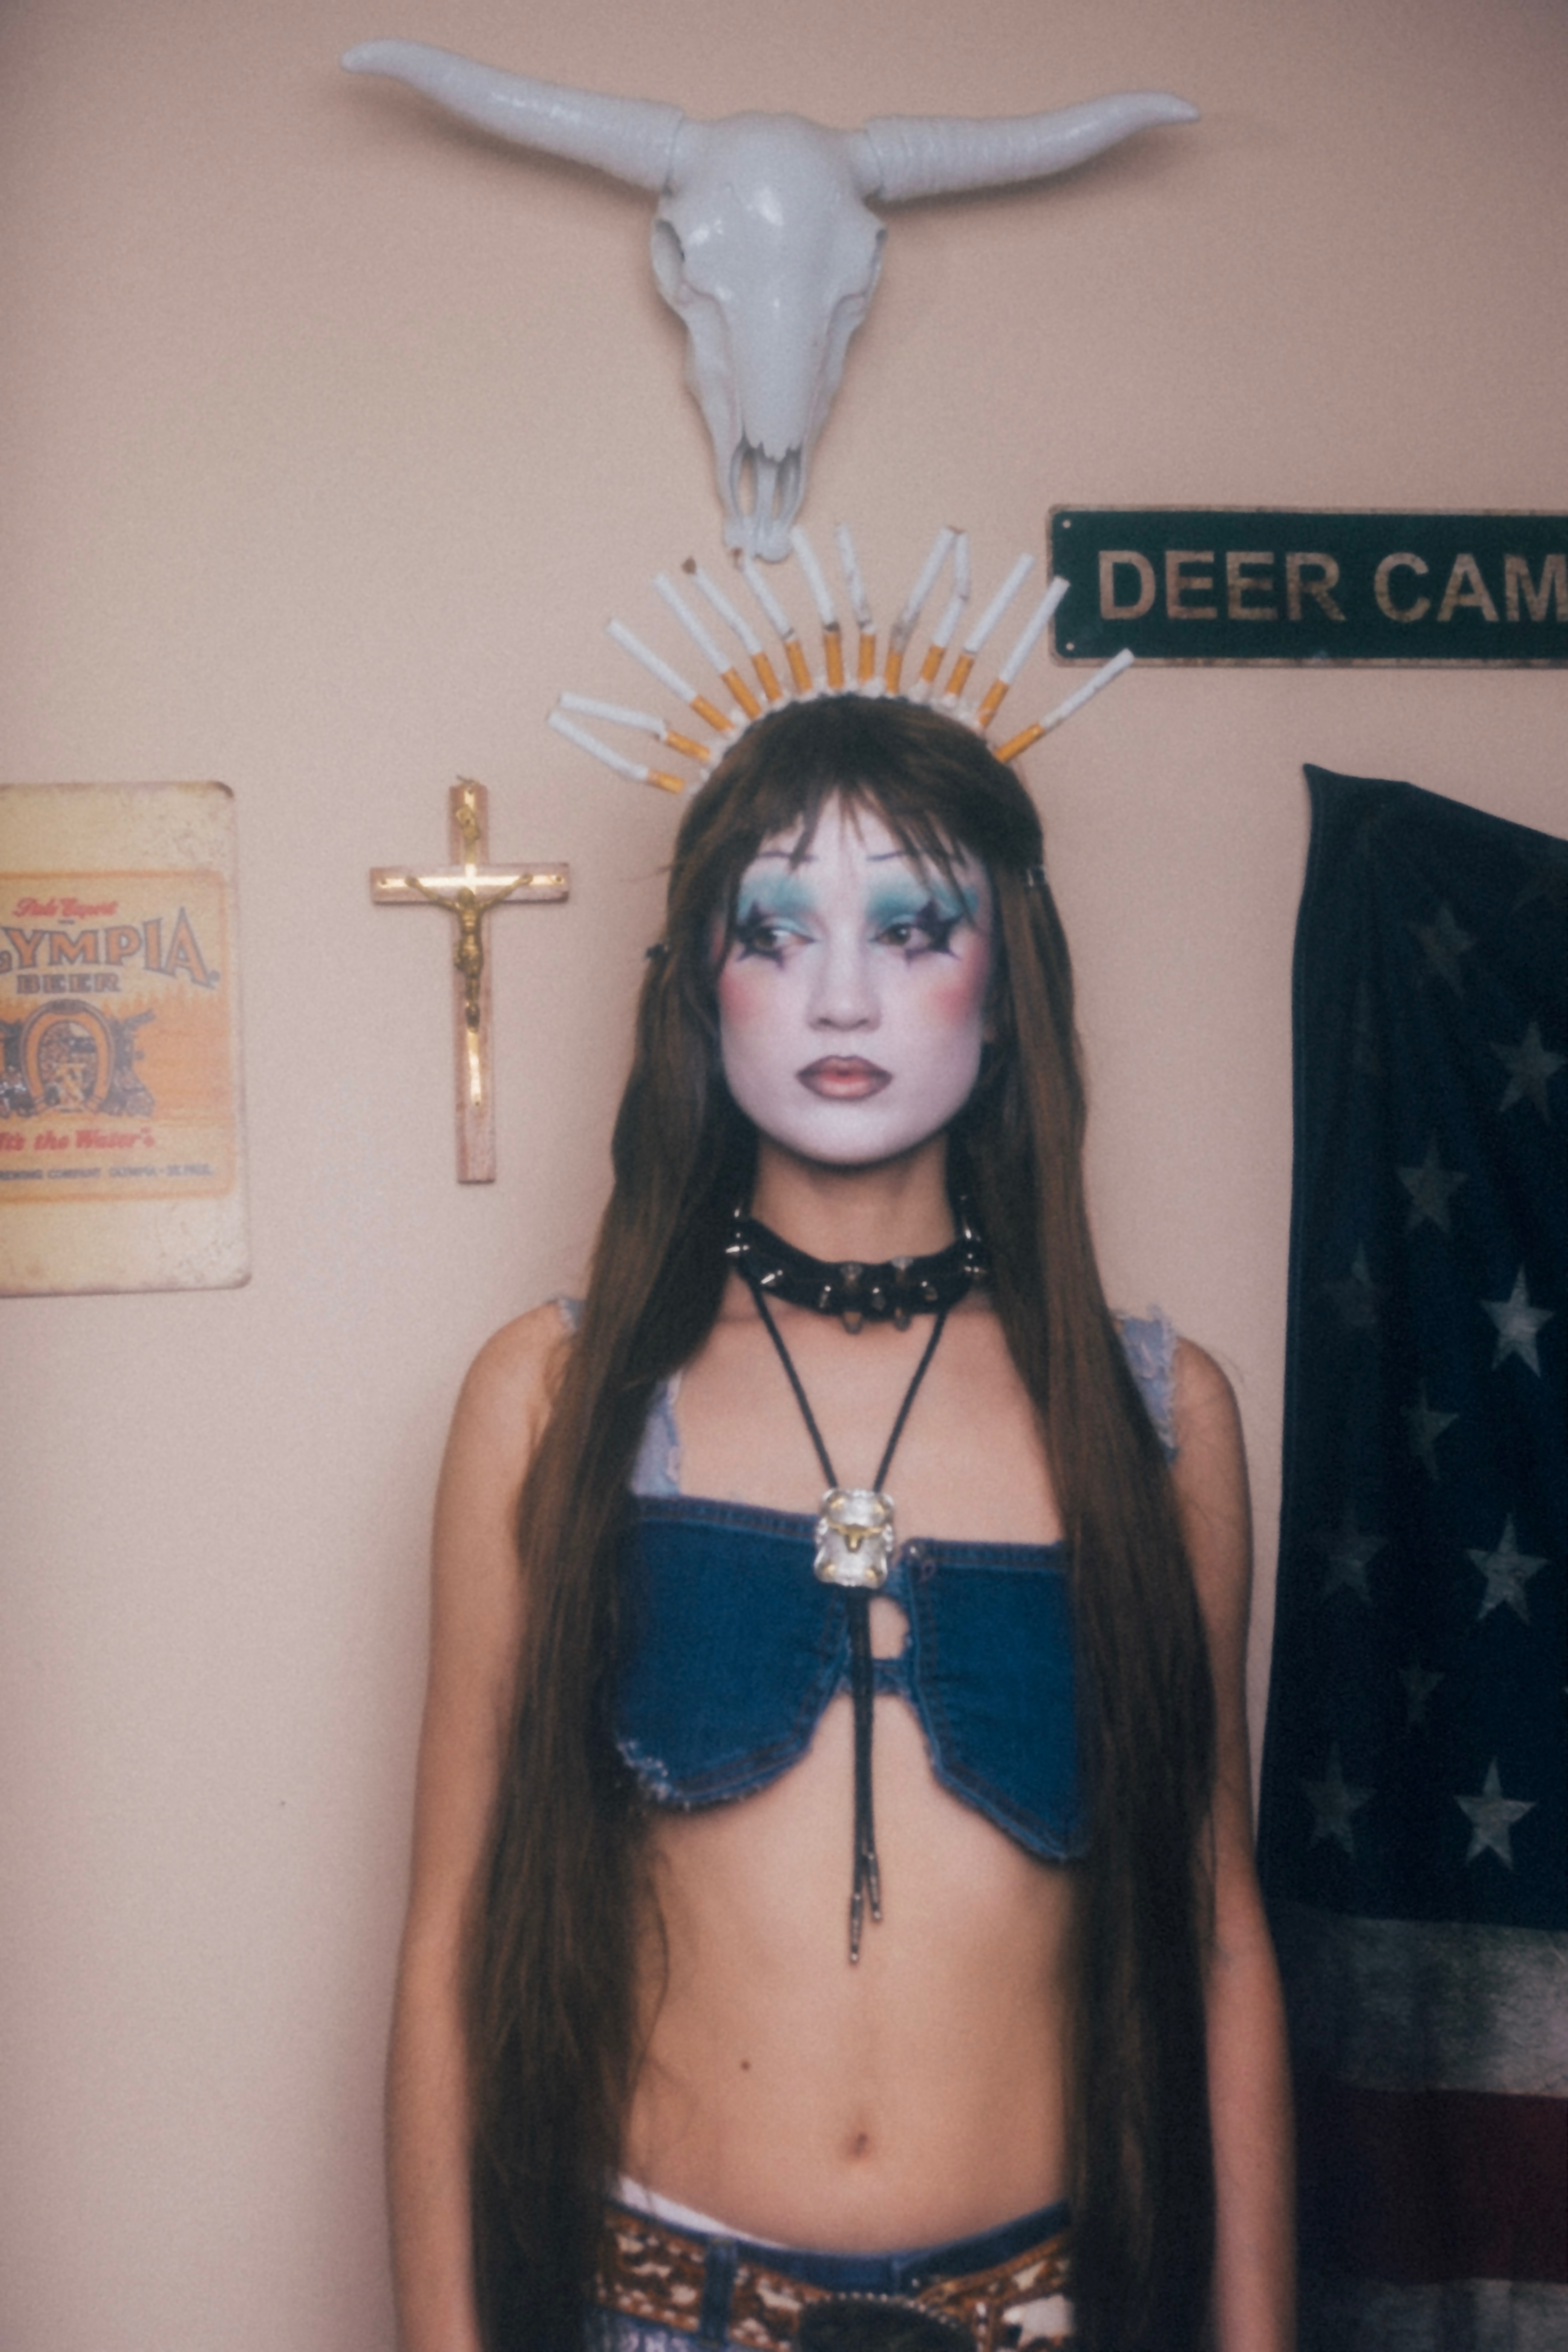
(1517, 1324)
(1530, 1068)
(1491, 1816)
(1334, 1801)
(1505, 1571)
(1429, 1187)
(1357, 1298)
(1425, 1427)
(1419, 1686)
(1443, 943)
(1349, 1554)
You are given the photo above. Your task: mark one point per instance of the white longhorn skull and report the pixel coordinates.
(762, 239)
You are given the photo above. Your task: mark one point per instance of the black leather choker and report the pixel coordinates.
(892, 1292)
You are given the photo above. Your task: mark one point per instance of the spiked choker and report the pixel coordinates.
(894, 1291)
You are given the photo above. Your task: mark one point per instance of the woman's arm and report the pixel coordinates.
(1249, 2098)
(475, 1619)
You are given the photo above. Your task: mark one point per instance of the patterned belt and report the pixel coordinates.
(717, 2291)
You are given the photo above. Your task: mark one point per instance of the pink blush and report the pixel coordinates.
(740, 993)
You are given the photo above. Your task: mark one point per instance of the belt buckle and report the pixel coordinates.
(878, 2323)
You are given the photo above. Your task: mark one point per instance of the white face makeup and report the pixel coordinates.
(852, 1002)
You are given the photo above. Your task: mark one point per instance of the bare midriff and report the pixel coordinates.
(919, 2094)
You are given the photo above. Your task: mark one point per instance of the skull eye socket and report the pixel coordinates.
(668, 259)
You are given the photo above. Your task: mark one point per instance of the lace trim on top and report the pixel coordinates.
(657, 1470)
(1149, 1343)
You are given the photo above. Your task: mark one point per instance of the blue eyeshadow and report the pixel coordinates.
(779, 891)
(901, 899)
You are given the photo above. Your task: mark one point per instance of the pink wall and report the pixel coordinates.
(331, 435)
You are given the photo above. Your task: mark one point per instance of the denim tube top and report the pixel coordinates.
(731, 1649)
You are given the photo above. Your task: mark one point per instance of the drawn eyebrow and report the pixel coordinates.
(917, 867)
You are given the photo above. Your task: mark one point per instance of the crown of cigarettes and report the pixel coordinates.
(745, 701)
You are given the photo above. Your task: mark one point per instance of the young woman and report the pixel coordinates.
(833, 1855)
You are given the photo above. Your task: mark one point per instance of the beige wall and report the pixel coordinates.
(331, 436)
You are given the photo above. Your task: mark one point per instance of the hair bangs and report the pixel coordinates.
(931, 781)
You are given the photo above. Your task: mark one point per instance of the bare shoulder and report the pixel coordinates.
(1203, 1395)
(517, 1362)
(1204, 1407)
(501, 1413)
(1210, 1477)
(509, 1389)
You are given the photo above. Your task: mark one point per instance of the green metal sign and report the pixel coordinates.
(1270, 584)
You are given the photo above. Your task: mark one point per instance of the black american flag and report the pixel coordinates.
(1413, 1835)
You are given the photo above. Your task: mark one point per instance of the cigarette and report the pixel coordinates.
(806, 556)
(728, 613)
(983, 626)
(765, 598)
(799, 669)
(666, 587)
(860, 603)
(659, 668)
(1033, 630)
(749, 638)
(1064, 711)
(705, 644)
(633, 769)
(903, 628)
(617, 713)
(645, 721)
(936, 652)
(827, 611)
(653, 663)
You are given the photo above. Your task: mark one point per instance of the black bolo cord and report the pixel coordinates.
(866, 1883)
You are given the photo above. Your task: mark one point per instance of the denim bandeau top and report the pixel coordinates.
(731, 1648)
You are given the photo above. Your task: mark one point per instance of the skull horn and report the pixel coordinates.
(901, 156)
(632, 138)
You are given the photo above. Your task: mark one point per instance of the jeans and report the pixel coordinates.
(901, 2274)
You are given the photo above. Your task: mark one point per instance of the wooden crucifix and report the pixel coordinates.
(466, 890)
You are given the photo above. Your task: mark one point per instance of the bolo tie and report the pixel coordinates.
(855, 1546)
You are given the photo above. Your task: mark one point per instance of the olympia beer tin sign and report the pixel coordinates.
(120, 1114)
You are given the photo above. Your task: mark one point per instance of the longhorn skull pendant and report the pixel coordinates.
(855, 1539)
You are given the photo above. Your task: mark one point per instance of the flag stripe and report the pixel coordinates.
(1408, 2004)
(1426, 2186)
(1463, 2315)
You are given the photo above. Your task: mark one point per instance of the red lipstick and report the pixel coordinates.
(844, 1077)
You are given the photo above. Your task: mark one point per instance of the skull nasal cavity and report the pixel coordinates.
(766, 487)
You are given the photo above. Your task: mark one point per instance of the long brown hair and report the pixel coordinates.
(552, 2024)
